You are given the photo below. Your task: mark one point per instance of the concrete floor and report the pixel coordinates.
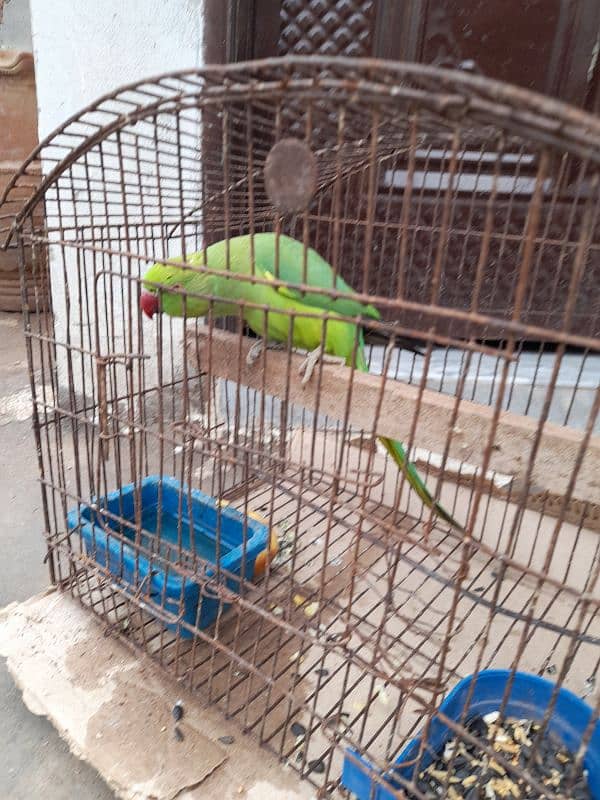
(34, 761)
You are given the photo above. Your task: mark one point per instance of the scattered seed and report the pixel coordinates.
(520, 735)
(449, 750)
(298, 600)
(551, 669)
(489, 719)
(178, 734)
(472, 778)
(322, 671)
(317, 766)
(298, 729)
(512, 748)
(226, 739)
(177, 711)
(311, 609)
(438, 774)
(497, 767)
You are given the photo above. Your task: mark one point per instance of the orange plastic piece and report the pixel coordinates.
(267, 555)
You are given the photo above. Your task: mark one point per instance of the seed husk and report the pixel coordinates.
(462, 771)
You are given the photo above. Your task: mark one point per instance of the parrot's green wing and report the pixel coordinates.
(318, 274)
(284, 291)
(342, 307)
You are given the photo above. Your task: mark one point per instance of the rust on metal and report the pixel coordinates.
(290, 175)
(463, 215)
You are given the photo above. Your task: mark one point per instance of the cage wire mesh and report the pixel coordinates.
(467, 213)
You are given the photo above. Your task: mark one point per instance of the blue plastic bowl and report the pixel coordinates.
(200, 523)
(529, 698)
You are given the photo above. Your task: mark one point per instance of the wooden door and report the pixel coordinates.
(545, 45)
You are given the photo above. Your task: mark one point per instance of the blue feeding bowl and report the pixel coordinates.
(529, 698)
(194, 520)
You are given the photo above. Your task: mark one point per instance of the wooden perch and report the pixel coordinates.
(392, 416)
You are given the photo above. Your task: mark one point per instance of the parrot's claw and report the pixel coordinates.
(257, 348)
(312, 359)
(254, 352)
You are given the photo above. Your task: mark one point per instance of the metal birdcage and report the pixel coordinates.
(360, 609)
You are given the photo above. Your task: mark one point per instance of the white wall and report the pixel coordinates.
(84, 49)
(15, 28)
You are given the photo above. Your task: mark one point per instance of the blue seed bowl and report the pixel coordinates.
(200, 524)
(529, 698)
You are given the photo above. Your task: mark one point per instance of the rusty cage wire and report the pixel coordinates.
(466, 211)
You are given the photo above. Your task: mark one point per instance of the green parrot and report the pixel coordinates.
(332, 339)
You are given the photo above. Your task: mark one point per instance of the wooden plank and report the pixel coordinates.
(513, 442)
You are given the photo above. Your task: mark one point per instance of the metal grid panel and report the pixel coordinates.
(374, 607)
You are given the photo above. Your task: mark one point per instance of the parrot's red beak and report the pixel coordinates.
(149, 304)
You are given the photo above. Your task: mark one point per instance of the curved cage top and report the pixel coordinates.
(279, 90)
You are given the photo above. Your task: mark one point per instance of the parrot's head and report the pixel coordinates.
(174, 291)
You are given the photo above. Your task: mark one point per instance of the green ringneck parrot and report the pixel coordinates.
(289, 268)
(166, 288)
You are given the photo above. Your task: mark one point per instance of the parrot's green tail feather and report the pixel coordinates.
(397, 452)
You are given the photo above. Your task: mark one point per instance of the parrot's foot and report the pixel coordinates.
(312, 359)
(255, 351)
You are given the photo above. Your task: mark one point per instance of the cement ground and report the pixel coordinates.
(34, 761)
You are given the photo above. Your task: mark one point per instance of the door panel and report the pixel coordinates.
(544, 45)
